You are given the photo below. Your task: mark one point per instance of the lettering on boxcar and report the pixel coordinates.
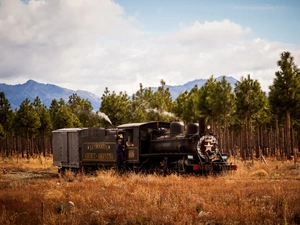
(99, 157)
(90, 156)
(105, 157)
(90, 146)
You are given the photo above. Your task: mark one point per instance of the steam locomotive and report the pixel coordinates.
(161, 147)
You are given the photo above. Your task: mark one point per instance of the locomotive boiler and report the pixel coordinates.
(156, 147)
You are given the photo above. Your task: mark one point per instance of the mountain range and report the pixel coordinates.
(16, 94)
(177, 89)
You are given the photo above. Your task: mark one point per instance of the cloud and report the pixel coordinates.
(90, 45)
(265, 7)
(218, 31)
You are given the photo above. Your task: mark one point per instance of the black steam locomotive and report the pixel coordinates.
(161, 147)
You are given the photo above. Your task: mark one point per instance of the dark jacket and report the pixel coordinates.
(119, 149)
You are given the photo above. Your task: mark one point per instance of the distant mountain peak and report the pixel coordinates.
(16, 94)
(177, 89)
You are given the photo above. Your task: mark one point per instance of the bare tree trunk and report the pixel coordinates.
(221, 136)
(277, 138)
(292, 141)
(44, 145)
(297, 150)
(271, 144)
(250, 139)
(245, 141)
(258, 141)
(269, 147)
(212, 126)
(6, 149)
(288, 135)
(226, 139)
(6, 146)
(27, 145)
(247, 138)
(294, 148)
(22, 146)
(281, 142)
(232, 146)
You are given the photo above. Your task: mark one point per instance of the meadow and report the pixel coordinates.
(32, 192)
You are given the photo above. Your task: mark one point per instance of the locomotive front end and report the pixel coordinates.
(210, 157)
(207, 148)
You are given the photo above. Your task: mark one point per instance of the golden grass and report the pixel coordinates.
(24, 164)
(254, 194)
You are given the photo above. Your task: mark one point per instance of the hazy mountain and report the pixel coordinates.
(177, 89)
(16, 94)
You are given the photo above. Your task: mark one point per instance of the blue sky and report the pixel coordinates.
(90, 45)
(275, 20)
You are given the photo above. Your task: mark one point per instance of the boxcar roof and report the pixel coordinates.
(131, 125)
(68, 130)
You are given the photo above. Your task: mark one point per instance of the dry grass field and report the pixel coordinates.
(31, 192)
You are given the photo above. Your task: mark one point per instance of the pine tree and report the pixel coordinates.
(26, 125)
(116, 107)
(284, 95)
(249, 102)
(6, 117)
(83, 109)
(207, 105)
(44, 130)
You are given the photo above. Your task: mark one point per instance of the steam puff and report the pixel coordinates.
(161, 112)
(104, 116)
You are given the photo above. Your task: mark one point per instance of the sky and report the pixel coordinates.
(119, 44)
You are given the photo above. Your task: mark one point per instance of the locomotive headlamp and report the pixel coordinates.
(190, 157)
(224, 156)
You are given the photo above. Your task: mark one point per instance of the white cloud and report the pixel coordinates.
(91, 45)
(218, 31)
(257, 7)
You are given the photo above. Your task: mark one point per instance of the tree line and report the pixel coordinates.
(247, 120)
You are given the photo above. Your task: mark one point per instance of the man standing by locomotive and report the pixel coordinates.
(120, 154)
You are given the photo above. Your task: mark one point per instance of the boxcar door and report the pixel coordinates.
(73, 146)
